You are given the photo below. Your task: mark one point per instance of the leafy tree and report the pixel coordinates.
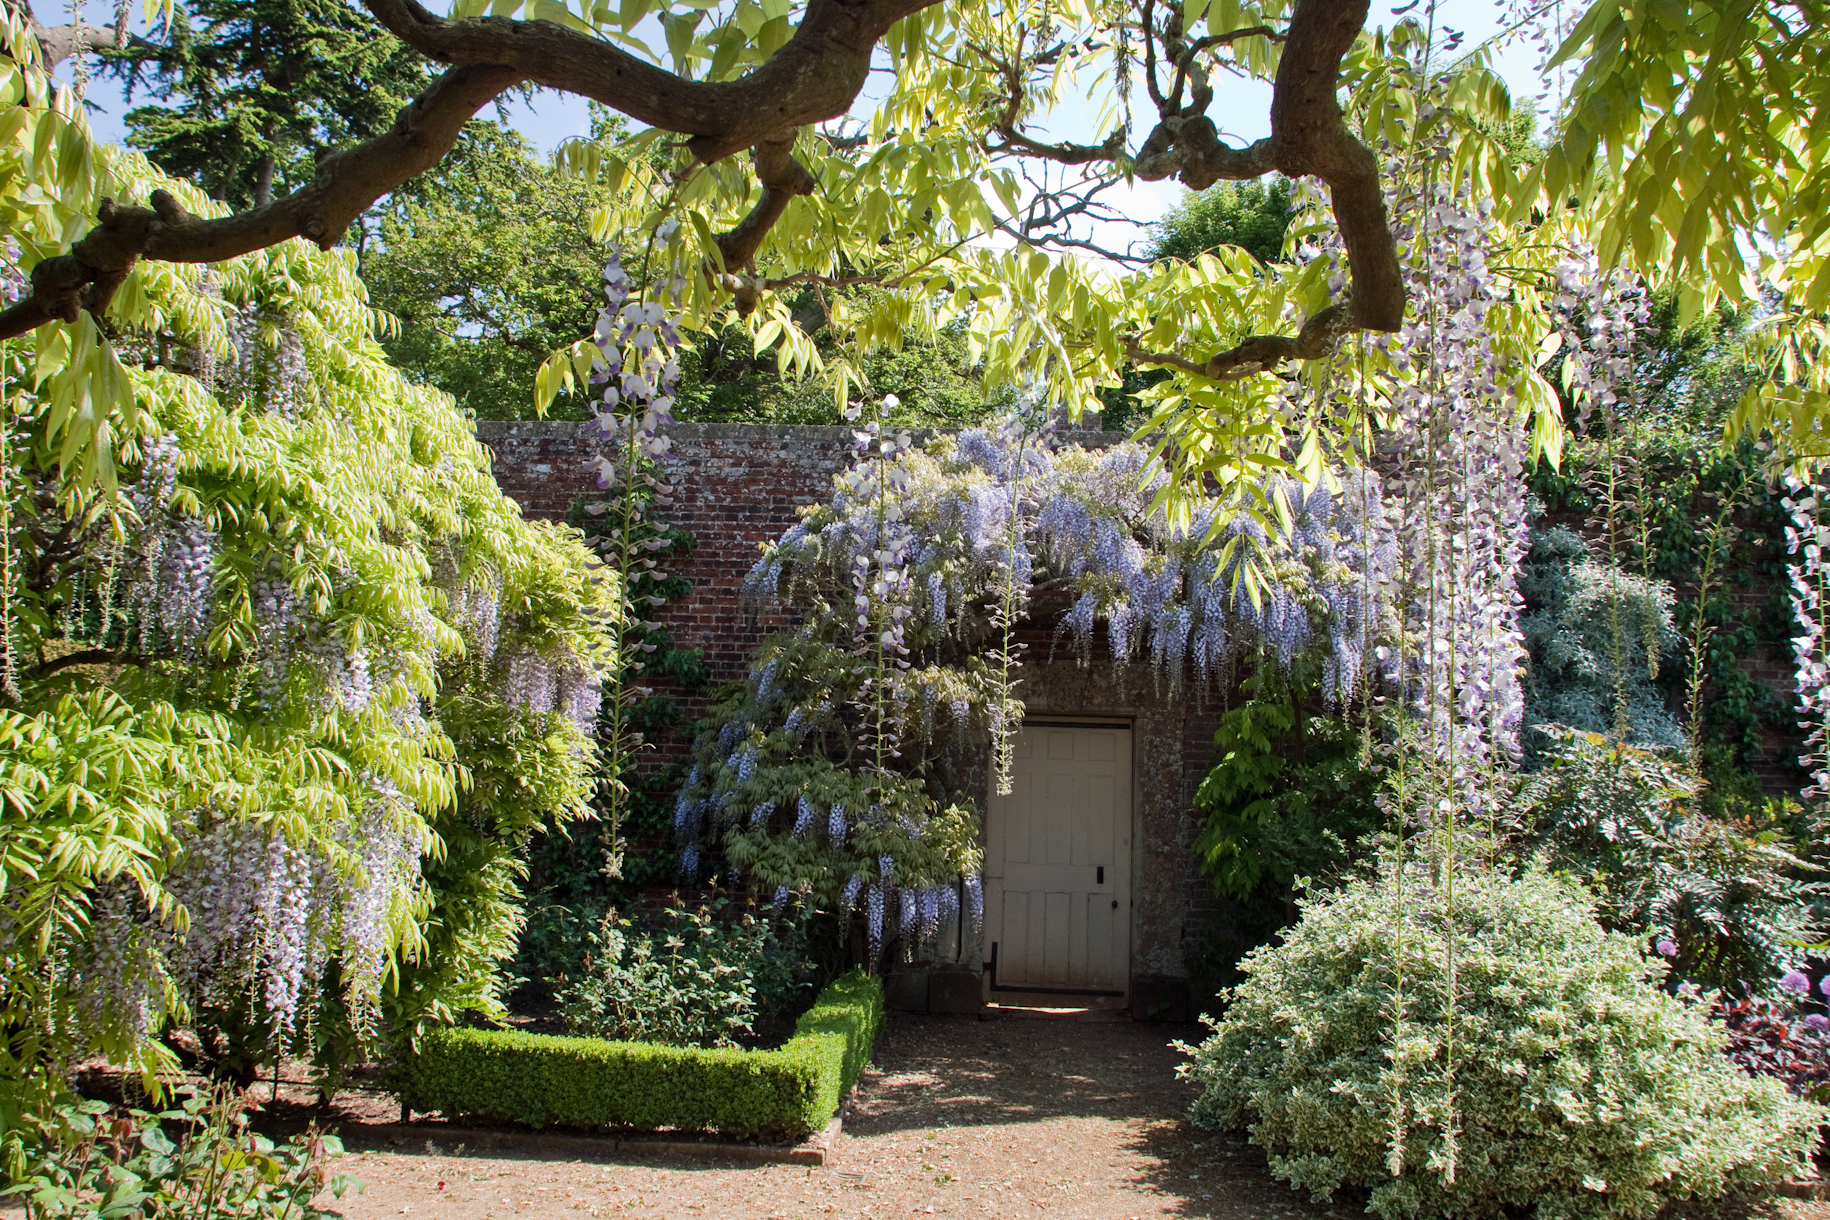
(1596, 634)
(254, 88)
(903, 200)
(902, 204)
(933, 377)
(486, 263)
(1253, 216)
(1740, 85)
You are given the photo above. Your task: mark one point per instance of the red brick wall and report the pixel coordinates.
(741, 485)
(738, 486)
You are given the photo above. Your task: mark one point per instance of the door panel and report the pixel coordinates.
(1058, 863)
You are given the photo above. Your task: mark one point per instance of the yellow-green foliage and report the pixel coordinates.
(368, 502)
(541, 1080)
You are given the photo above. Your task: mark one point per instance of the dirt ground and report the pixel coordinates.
(1010, 1117)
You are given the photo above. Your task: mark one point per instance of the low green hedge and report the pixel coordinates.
(541, 1080)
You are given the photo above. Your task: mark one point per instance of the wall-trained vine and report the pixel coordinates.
(842, 768)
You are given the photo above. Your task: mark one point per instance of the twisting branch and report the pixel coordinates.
(1008, 123)
(1259, 353)
(347, 183)
(814, 77)
(1229, 38)
(86, 656)
(1309, 136)
(781, 178)
(1045, 219)
(57, 43)
(60, 42)
(1017, 144)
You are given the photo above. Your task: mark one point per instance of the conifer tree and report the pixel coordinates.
(251, 88)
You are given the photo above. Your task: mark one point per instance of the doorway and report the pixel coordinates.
(1058, 865)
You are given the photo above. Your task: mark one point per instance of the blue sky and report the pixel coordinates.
(1242, 109)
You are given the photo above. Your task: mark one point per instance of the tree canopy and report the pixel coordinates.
(830, 204)
(254, 89)
(286, 702)
(944, 192)
(475, 323)
(1253, 217)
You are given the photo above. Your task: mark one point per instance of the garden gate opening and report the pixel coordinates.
(1058, 865)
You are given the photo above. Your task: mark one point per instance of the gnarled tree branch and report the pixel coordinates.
(781, 178)
(1015, 142)
(814, 77)
(88, 656)
(346, 184)
(57, 43)
(1309, 136)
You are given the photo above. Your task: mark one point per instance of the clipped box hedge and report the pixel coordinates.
(541, 1080)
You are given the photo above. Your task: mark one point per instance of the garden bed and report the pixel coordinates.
(541, 1080)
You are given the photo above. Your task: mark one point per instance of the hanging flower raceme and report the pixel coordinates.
(145, 580)
(1807, 536)
(1459, 455)
(837, 773)
(636, 373)
(266, 913)
(267, 368)
(1599, 315)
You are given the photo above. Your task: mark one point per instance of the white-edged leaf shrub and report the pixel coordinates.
(1580, 1088)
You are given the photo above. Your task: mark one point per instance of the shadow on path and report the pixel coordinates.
(1091, 1115)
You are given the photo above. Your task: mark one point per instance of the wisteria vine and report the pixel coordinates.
(635, 363)
(843, 768)
(1807, 536)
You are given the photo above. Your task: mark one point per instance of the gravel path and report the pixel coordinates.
(1010, 1117)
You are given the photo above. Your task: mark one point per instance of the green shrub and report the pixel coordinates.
(1289, 797)
(699, 982)
(506, 1076)
(1731, 893)
(88, 1160)
(1579, 1087)
(1596, 633)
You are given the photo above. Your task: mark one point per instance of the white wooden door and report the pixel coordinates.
(1058, 863)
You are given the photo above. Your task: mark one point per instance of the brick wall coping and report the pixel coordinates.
(808, 434)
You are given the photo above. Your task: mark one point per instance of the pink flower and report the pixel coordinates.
(1795, 982)
(1666, 948)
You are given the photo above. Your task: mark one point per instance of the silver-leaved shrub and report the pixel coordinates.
(1562, 1080)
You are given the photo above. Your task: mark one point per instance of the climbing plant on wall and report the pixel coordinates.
(843, 767)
